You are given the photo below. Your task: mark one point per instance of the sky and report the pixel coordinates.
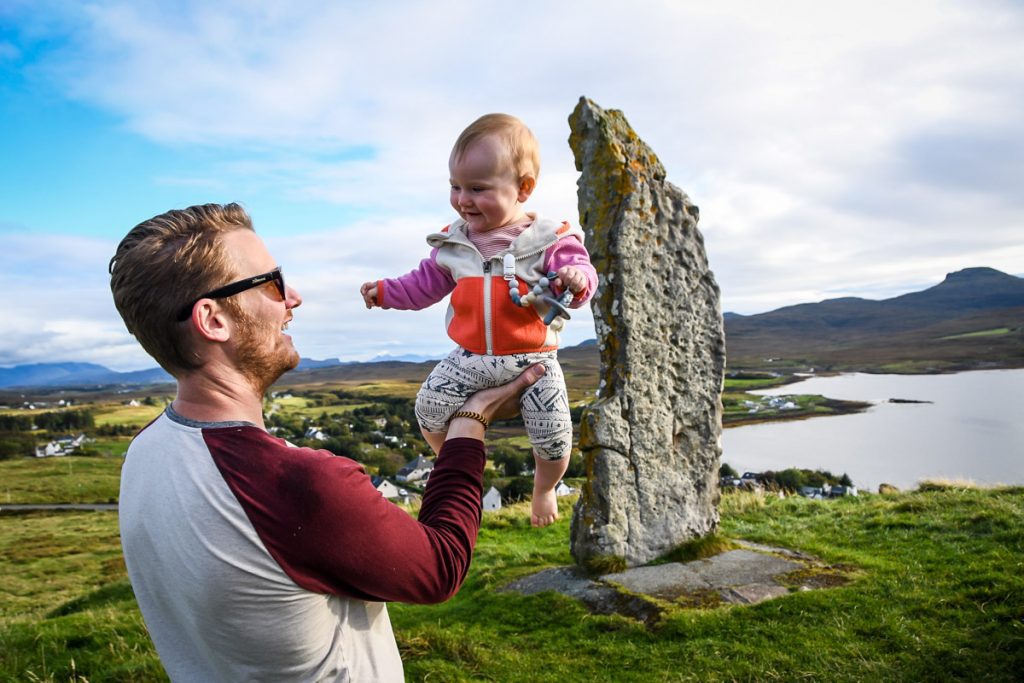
(843, 148)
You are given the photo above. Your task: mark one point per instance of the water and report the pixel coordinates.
(973, 430)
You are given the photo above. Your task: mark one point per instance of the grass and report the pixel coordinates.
(752, 383)
(68, 612)
(109, 446)
(399, 389)
(994, 332)
(68, 479)
(314, 412)
(134, 416)
(938, 595)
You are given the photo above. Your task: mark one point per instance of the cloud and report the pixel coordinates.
(838, 148)
(62, 308)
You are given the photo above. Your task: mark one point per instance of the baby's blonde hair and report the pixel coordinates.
(522, 147)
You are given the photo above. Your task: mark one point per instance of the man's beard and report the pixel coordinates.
(261, 363)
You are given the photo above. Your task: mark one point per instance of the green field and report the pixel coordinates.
(68, 479)
(135, 416)
(994, 332)
(302, 407)
(938, 595)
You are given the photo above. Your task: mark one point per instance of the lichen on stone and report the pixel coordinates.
(659, 328)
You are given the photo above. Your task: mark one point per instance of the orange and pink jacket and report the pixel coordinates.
(481, 316)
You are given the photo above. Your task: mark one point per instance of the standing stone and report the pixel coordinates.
(651, 439)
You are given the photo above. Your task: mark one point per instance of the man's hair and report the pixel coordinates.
(165, 263)
(522, 147)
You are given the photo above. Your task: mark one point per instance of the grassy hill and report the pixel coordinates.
(974, 318)
(938, 594)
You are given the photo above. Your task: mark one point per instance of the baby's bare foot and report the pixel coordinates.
(545, 508)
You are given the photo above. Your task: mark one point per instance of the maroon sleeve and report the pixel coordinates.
(331, 531)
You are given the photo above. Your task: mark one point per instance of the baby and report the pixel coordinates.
(489, 260)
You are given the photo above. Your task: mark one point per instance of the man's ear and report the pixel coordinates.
(211, 321)
(526, 185)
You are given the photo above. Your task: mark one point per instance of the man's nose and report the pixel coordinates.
(292, 299)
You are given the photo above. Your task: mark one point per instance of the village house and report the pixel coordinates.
(316, 433)
(492, 500)
(827, 491)
(564, 489)
(813, 492)
(841, 491)
(391, 492)
(385, 487)
(65, 445)
(416, 470)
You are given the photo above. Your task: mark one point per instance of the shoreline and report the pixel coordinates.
(836, 407)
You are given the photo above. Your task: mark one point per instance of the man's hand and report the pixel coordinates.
(571, 278)
(369, 292)
(494, 404)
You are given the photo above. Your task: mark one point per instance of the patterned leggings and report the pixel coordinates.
(545, 405)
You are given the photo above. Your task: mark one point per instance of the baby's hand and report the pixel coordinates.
(369, 292)
(571, 278)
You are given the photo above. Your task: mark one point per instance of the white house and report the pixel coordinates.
(315, 433)
(386, 488)
(64, 445)
(492, 500)
(50, 449)
(840, 491)
(416, 470)
(564, 489)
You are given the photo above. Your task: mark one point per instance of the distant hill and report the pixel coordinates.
(80, 375)
(973, 318)
(75, 374)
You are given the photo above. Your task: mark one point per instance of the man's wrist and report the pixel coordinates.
(473, 415)
(467, 427)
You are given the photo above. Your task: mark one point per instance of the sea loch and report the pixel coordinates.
(971, 428)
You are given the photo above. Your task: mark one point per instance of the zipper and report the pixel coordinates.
(488, 312)
(488, 339)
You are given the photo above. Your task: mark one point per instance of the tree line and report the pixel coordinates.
(56, 421)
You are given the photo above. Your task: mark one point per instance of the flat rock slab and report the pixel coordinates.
(742, 577)
(727, 570)
(600, 598)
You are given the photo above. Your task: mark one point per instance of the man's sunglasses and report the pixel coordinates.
(275, 276)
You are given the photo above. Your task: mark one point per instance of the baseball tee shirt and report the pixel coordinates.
(254, 560)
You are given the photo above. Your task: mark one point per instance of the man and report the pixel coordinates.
(250, 559)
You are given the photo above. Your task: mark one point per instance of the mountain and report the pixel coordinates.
(973, 318)
(407, 358)
(90, 375)
(310, 364)
(75, 374)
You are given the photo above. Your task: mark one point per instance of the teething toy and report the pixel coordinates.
(559, 307)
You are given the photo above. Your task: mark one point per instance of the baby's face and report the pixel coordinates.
(485, 191)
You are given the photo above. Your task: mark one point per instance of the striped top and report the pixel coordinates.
(494, 241)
